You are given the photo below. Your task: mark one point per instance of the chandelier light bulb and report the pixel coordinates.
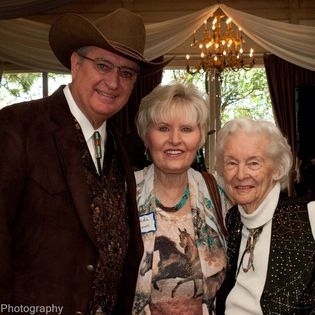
(223, 48)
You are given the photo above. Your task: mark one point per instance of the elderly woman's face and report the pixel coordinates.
(173, 144)
(248, 172)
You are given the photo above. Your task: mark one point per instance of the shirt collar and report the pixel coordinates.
(264, 212)
(85, 124)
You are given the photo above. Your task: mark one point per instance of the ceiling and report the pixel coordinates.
(294, 11)
(291, 11)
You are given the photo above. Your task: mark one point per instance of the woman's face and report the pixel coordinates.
(173, 144)
(248, 172)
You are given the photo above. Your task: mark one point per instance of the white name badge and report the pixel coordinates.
(147, 223)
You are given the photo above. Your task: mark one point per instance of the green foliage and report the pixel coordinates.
(19, 87)
(243, 93)
(181, 75)
(17, 84)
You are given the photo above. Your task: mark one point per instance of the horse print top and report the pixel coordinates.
(184, 259)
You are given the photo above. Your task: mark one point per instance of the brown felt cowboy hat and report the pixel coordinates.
(121, 32)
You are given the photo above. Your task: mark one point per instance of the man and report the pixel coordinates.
(69, 232)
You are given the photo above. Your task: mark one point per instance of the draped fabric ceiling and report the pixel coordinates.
(25, 42)
(19, 8)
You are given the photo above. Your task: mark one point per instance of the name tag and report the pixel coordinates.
(147, 223)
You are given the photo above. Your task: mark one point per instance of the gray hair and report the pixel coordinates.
(278, 149)
(167, 101)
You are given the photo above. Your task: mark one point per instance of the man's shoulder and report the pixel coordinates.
(34, 112)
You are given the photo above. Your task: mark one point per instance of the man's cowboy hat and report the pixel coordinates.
(121, 32)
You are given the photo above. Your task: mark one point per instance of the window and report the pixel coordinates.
(243, 93)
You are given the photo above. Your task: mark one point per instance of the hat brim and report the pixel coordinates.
(72, 31)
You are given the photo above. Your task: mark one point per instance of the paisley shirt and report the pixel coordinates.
(107, 193)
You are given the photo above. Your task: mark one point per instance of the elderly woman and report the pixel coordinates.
(271, 247)
(184, 261)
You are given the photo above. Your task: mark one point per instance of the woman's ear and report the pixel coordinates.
(276, 175)
(147, 154)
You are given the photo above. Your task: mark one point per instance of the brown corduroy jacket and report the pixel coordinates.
(47, 240)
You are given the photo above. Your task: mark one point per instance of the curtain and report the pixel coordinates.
(283, 77)
(291, 42)
(24, 42)
(125, 119)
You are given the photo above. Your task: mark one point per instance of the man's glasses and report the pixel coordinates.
(104, 66)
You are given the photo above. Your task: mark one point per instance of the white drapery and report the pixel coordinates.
(25, 42)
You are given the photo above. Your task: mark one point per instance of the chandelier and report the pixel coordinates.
(220, 48)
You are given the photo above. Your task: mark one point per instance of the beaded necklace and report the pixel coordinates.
(178, 206)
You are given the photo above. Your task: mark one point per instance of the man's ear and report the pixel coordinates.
(75, 63)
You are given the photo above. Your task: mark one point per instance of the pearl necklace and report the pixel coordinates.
(178, 206)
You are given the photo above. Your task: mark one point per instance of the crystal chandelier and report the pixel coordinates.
(220, 48)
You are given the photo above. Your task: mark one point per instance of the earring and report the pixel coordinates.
(198, 157)
(147, 155)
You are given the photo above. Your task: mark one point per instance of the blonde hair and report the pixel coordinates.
(171, 100)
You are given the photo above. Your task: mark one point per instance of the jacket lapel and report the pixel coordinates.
(70, 157)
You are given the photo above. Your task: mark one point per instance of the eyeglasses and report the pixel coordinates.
(104, 66)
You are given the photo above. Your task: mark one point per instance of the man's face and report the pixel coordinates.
(99, 89)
